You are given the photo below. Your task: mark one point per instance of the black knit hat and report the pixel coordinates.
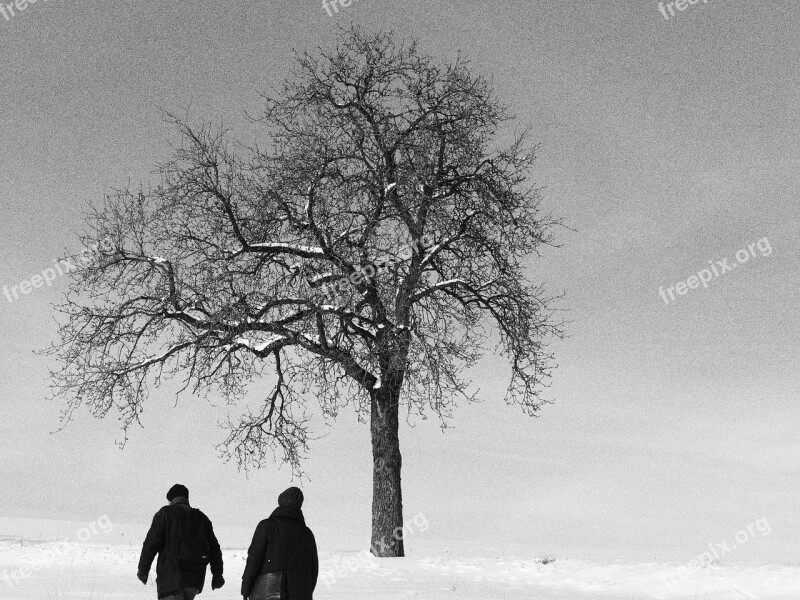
(177, 491)
(291, 497)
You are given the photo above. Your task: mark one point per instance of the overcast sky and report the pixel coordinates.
(666, 143)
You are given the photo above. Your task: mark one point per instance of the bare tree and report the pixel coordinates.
(365, 256)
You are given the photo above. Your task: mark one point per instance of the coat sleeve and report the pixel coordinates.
(153, 542)
(314, 562)
(215, 553)
(255, 558)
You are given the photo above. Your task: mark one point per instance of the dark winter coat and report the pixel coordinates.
(164, 539)
(277, 540)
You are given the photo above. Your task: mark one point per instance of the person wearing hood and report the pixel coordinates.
(282, 560)
(183, 537)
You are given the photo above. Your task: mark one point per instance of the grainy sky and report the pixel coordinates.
(666, 144)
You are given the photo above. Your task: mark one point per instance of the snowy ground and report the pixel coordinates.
(62, 570)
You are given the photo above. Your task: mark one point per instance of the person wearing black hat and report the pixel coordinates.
(184, 540)
(282, 560)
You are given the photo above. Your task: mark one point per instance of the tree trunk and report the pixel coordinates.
(387, 496)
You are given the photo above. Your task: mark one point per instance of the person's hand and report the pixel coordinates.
(217, 582)
(142, 575)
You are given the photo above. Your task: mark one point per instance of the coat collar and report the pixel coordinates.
(289, 512)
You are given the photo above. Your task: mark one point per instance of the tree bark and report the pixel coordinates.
(387, 497)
